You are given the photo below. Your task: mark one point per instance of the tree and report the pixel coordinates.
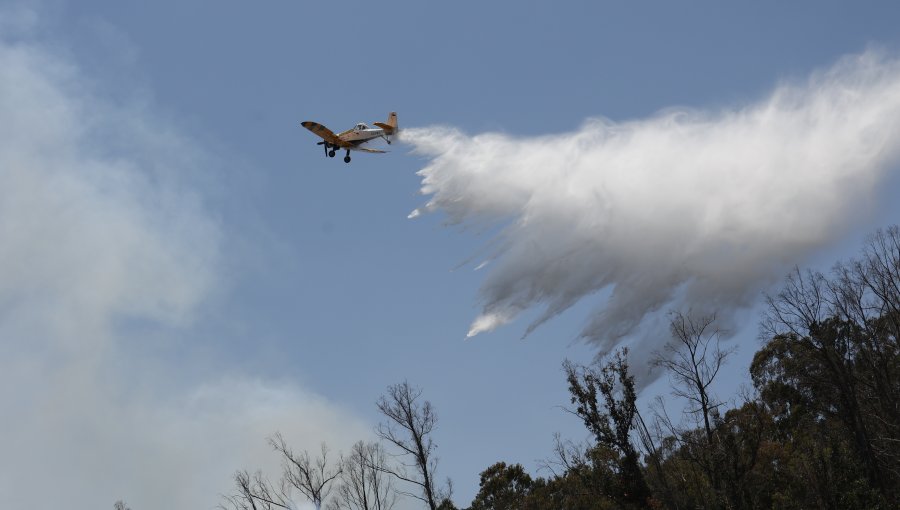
(693, 359)
(604, 398)
(821, 430)
(364, 482)
(834, 350)
(120, 505)
(502, 487)
(313, 477)
(254, 493)
(446, 504)
(409, 426)
(585, 477)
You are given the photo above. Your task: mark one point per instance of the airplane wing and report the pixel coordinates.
(366, 149)
(325, 133)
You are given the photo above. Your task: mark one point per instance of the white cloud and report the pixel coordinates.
(699, 209)
(102, 227)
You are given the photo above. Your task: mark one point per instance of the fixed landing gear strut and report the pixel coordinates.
(329, 149)
(347, 157)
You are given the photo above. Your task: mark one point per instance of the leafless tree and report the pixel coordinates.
(693, 359)
(408, 427)
(364, 482)
(313, 477)
(120, 505)
(650, 439)
(253, 493)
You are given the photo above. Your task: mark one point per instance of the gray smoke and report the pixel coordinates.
(106, 243)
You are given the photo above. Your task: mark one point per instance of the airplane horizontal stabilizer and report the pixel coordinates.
(388, 129)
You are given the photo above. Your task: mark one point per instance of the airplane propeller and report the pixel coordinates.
(328, 153)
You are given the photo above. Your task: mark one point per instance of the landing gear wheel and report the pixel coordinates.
(389, 142)
(346, 159)
(331, 153)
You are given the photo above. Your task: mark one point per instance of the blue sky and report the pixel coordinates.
(307, 278)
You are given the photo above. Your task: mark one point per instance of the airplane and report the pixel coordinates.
(351, 139)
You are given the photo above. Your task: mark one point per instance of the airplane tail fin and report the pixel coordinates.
(392, 120)
(390, 127)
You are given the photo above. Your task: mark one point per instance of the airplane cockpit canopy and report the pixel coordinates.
(361, 126)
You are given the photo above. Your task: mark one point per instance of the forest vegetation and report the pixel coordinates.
(820, 427)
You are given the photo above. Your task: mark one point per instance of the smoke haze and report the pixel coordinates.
(107, 243)
(688, 209)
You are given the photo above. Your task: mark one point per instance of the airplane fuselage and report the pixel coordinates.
(361, 135)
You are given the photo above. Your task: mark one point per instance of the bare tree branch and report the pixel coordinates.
(408, 427)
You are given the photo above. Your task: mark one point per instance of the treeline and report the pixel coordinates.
(820, 427)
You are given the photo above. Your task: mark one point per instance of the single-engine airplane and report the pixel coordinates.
(351, 139)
